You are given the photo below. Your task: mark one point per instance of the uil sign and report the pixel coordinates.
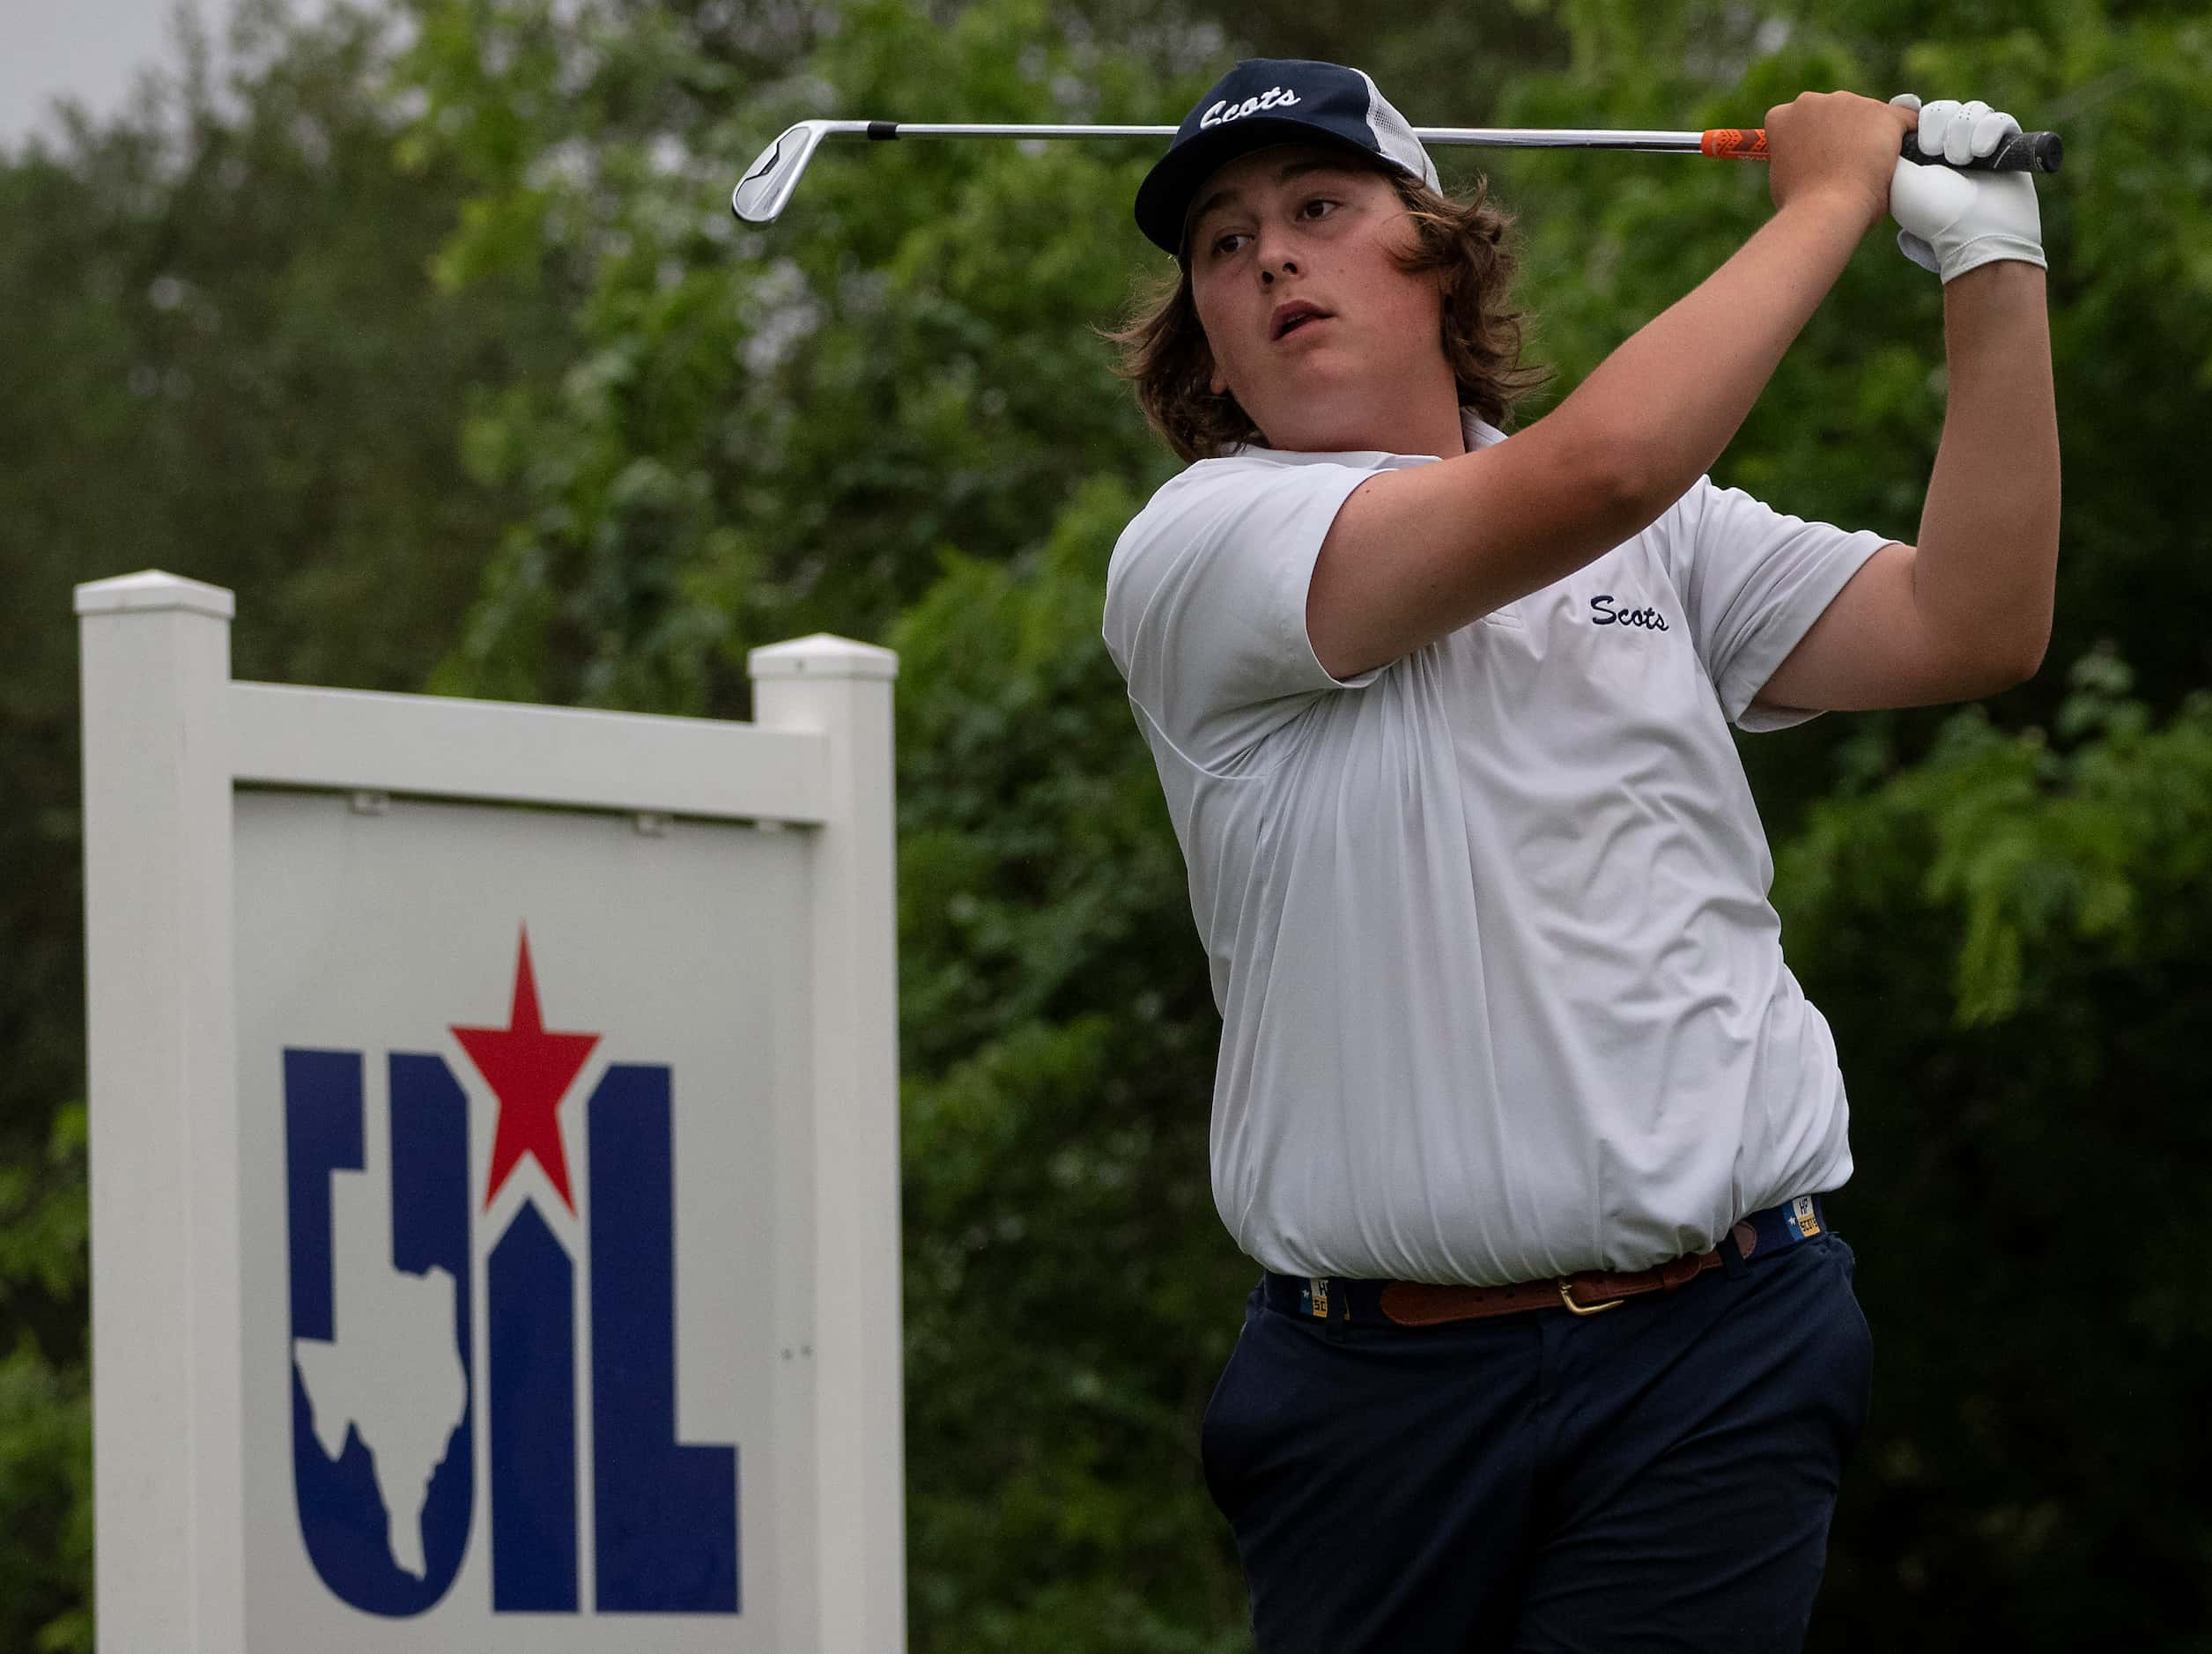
(494, 1160)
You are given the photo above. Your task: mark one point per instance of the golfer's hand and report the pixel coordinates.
(1835, 147)
(1951, 222)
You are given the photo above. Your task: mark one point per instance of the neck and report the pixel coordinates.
(1431, 427)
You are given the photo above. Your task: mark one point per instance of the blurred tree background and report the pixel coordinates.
(427, 329)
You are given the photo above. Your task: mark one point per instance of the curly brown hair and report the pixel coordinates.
(1163, 349)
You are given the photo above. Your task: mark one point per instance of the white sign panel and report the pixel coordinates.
(494, 1161)
(523, 1098)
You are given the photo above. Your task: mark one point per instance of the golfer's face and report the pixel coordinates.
(1300, 222)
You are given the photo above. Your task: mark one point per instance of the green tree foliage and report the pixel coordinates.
(1069, 1289)
(46, 1462)
(633, 438)
(224, 355)
(2009, 941)
(765, 432)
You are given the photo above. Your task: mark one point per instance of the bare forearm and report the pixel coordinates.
(1674, 395)
(1989, 529)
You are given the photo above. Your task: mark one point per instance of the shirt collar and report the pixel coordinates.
(1475, 431)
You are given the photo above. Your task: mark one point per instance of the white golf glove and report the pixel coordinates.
(1951, 222)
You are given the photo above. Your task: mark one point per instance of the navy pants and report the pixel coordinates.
(1656, 1477)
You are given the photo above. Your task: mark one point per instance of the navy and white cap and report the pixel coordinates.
(1266, 101)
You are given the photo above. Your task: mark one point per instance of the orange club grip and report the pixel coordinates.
(1734, 144)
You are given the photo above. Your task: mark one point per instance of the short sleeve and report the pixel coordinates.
(1205, 608)
(1752, 580)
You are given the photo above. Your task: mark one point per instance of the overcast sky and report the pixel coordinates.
(88, 49)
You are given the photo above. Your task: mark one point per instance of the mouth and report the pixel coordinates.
(1298, 320)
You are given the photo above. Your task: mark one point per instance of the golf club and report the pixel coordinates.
(766, 189)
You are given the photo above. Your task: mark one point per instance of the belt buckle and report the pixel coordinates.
(1566, 1296)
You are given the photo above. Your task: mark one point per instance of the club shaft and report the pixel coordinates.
(2023, 152)
(1487, 137)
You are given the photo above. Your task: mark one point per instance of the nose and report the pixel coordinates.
(1269, 266)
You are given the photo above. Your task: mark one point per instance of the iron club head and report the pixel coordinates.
(766, 187)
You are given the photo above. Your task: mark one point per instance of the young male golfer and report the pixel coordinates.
(1518, 1105)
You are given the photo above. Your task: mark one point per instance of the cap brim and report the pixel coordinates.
(1165, 198)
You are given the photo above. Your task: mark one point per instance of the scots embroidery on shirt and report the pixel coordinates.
(1605, 611)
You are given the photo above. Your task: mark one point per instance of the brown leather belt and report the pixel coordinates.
(1588, 1292)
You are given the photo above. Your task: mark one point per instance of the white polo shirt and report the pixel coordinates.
(1502, 994)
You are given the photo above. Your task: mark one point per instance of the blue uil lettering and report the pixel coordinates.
(385, 1403)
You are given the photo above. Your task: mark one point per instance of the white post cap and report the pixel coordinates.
(152, 589)
(822, 655)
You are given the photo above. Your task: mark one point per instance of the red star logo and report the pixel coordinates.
(529, 1070)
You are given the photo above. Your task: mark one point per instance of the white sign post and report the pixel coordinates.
(494, 1160)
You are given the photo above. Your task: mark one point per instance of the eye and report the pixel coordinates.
(1219, 249)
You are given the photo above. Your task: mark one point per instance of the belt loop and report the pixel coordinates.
(1733, 1263)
